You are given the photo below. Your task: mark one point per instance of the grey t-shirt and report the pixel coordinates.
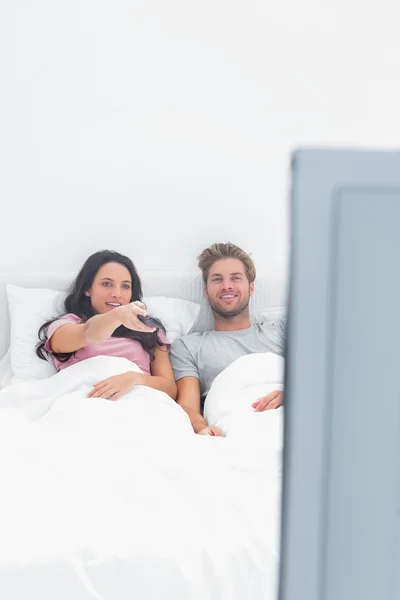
(205, 355)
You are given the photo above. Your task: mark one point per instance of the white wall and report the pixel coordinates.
(157, 127)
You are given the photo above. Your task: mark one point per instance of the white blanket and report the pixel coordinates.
(118, 500)
(229, 402)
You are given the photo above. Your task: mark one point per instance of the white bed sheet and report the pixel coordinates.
(118, 500)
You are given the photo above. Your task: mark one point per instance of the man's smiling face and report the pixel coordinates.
(228, 289)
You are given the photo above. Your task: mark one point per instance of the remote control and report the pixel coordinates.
(148, 321)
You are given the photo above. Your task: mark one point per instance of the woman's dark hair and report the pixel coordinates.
(79, 304)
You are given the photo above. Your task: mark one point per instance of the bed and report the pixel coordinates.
(118, 500)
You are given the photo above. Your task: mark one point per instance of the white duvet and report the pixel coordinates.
(121, 500)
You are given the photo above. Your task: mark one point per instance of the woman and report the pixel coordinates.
(102, 309)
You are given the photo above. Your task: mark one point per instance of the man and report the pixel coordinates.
(197, 358)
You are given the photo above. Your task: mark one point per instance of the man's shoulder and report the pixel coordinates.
(273, 333)
(190, 340)
(270, 324)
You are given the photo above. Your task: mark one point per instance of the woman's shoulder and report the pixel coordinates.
(162, 336)
(68, 318)
(63, 320)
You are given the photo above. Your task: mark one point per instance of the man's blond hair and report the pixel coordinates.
(221, 251)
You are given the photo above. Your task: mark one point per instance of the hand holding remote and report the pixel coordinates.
(148, 321)
(130, 314)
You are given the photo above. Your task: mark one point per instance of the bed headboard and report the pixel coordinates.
(269, 293)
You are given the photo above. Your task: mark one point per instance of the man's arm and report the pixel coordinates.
(187, 379)
(280, 335)
(189, 399)
(275, 398)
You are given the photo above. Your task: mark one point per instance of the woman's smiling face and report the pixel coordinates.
(111, 287)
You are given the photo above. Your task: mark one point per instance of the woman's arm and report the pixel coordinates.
(162, 376)
(71, 337)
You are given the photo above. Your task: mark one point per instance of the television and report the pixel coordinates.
(341, 484)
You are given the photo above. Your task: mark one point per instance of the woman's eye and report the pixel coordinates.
(126, 287)
(106, 283)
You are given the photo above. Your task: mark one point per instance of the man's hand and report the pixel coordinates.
(272, 400)
(211, 430)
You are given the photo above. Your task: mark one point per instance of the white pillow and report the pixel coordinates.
(5, 370)
(30, 308)
(178, 316)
